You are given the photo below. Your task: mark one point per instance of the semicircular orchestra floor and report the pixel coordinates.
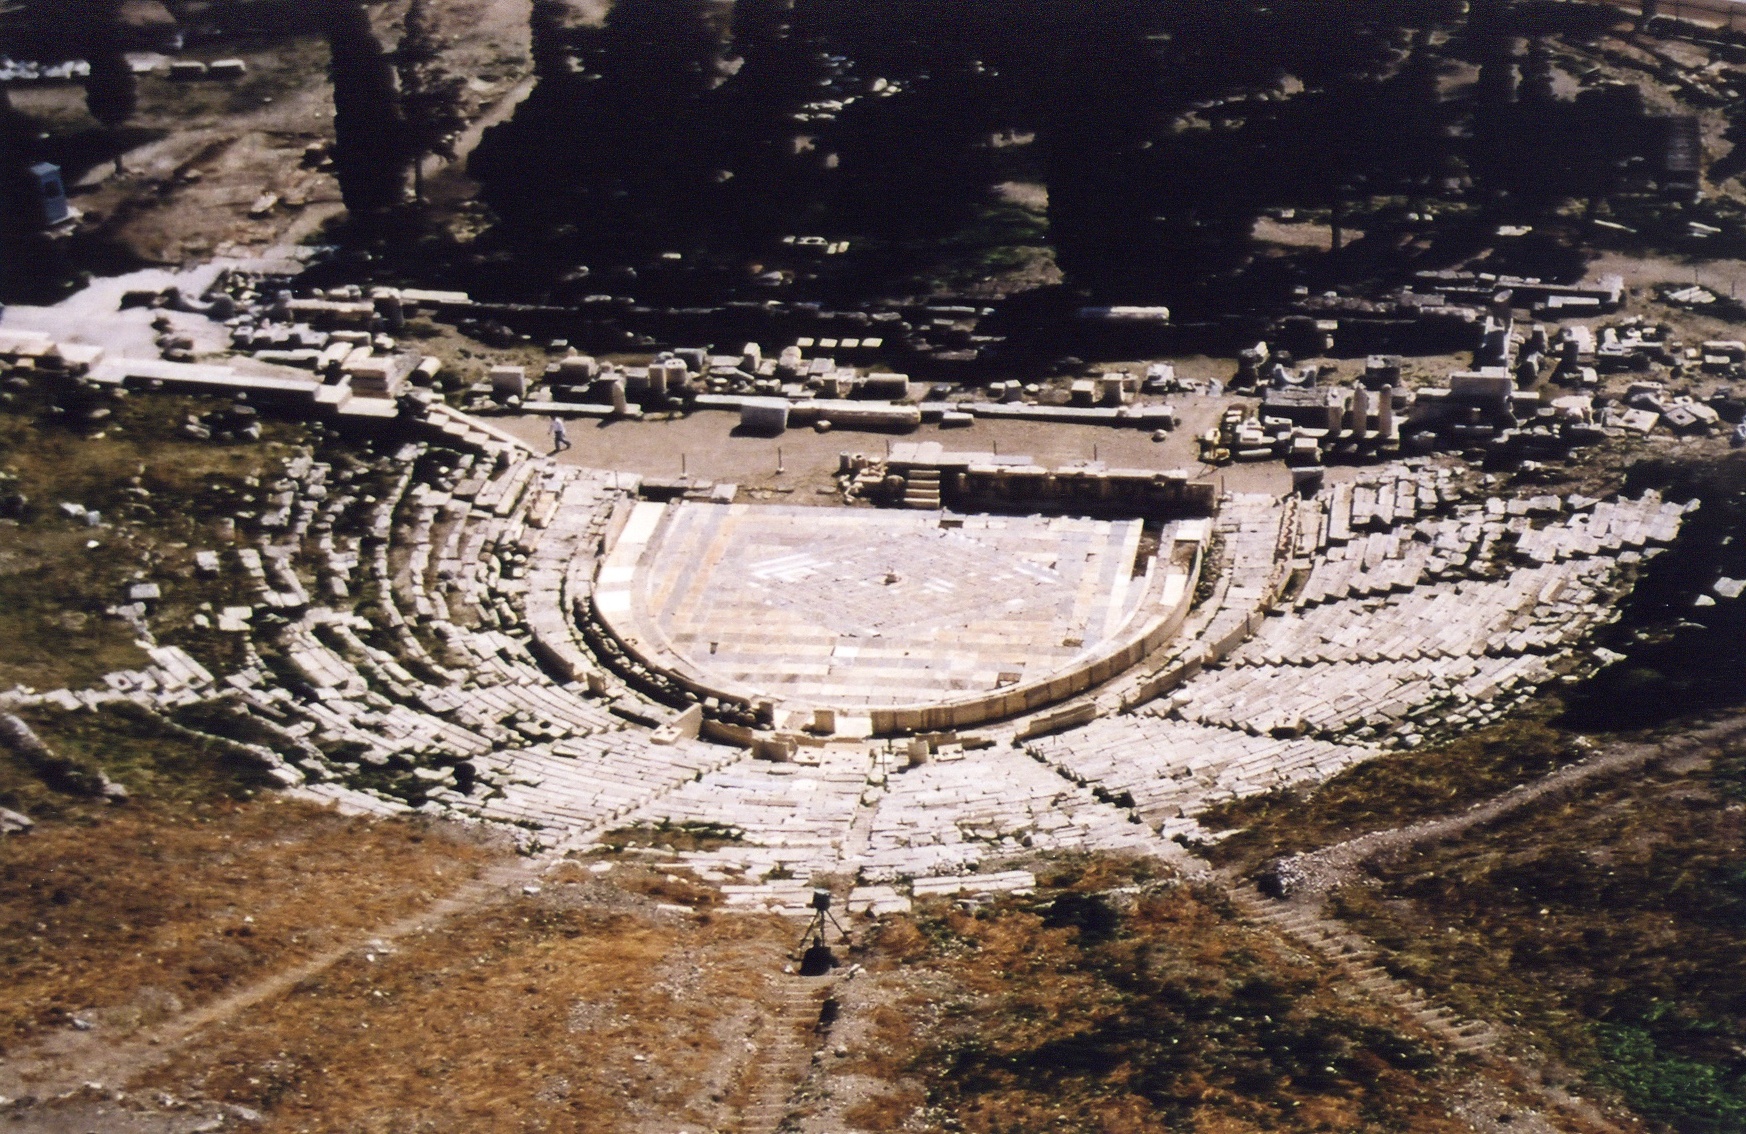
(859, 608)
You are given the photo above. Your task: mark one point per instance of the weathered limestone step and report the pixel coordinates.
(1304, 925)
(784, 1062)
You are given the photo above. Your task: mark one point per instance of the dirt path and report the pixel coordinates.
(498, 112)
(69, 1061)
(1303, 915)
(1319, 872)
(311, 219)
(225, 173)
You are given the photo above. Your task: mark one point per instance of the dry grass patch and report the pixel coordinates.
(1117, 1000)
(158, 494)
(581, 1008)
(123, 916)
(672, 837)
(134, 747)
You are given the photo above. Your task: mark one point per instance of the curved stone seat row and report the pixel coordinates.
(1168, 771)
(866, 812)
(417, 632)
(1361, 669)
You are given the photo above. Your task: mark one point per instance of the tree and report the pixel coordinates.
(613, 154)
(111, 91)
(774, 182)
(370, 148)
(14, 152)
(1537, 90)
(528, 168)
(549, 48)
(1166, 125)
(430, 97)
(1162, 127)
(650, 140)
(1415, 120)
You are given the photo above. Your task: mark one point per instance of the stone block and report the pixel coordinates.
(508, 382)
(764, 415)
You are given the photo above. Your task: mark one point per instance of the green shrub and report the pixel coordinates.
(1692, 1096)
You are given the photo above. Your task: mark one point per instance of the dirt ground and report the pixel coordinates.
(205, 153)
(709, 444)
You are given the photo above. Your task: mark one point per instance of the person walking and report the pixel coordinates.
(560, 436)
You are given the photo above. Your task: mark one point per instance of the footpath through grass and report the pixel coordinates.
(1116, 999)
(119, 915)
(1392, 790)
(1609, 927)
(585, 1006)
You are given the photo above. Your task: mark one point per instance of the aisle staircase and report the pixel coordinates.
(783, 1061)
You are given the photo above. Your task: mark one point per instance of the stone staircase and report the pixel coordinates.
(922, 489)
(783, 1062)
(1335, 942)
(449, 426)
